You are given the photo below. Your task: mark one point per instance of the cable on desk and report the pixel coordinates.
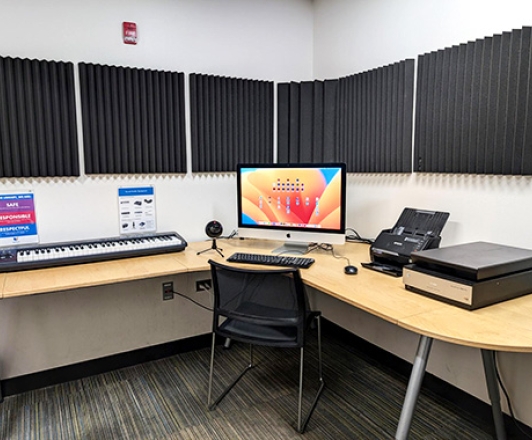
(355, 237)
(326, 247)
(503, 388)
(192, 300)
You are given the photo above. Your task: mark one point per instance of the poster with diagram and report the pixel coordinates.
(18, 224)
(137, 210)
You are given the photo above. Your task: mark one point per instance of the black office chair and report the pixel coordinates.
(263, 307)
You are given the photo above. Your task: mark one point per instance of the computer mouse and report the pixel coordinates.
(350, 270)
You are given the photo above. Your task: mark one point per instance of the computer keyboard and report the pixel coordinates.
(271, 260)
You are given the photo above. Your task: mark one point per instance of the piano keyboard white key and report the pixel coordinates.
(87, 251)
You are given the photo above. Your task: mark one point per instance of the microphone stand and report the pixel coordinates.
(213, 247)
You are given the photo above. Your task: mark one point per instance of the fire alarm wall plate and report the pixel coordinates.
(129, 32)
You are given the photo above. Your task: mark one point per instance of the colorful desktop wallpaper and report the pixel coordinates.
(292, 197)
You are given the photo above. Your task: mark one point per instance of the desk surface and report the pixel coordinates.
(505, 326)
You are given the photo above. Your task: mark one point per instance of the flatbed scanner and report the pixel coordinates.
(470, 275)
(415, 230)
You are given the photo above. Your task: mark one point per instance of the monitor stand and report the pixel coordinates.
(293, 247)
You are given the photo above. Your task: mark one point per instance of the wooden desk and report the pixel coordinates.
(501, 327)
(32, 282)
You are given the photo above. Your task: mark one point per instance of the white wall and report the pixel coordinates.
(352, 36)
(256, 39)
(42, 332)
(279, 40)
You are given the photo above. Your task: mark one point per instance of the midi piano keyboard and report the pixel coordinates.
(88, 251)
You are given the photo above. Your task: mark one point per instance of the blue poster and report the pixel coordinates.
(18, 222)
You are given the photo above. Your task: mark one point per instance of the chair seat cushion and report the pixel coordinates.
(258, 334)
(262, 312)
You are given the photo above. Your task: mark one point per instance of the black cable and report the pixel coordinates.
(233, 234)
(322, 246)
(356, 238)
(509, 403)
(194, 301)
(326, 247)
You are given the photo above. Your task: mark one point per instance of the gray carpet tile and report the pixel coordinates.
(166, 399)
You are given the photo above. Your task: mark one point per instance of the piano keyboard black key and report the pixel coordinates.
(59, 254)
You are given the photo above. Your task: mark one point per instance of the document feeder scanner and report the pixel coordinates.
(415, 230)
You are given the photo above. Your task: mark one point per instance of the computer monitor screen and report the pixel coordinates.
(295, 203)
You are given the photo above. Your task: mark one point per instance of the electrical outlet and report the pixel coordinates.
(202, 285)
(168, 290)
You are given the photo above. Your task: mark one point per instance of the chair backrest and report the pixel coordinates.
(274, 297)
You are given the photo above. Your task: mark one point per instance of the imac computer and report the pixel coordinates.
(298, 204)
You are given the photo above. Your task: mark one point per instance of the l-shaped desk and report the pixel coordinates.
(501, 327)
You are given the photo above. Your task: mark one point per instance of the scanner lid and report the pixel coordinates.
(475, 261)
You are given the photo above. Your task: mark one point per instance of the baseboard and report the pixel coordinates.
(460, 398)
(80, 370)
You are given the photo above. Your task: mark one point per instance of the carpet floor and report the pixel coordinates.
(166, 399)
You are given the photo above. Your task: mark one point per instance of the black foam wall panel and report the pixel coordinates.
(231, 122)
(307, 121)
(364, 120)
(133, 120)
(375, 119)
(38, 136)
(473, 107)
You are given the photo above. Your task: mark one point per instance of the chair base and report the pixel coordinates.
(301, 429)
(301, 423)
(229, 388)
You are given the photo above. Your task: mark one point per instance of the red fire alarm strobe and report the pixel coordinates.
(129, 32)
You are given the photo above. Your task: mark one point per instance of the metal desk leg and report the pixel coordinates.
(488, 357)
(414, 385)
